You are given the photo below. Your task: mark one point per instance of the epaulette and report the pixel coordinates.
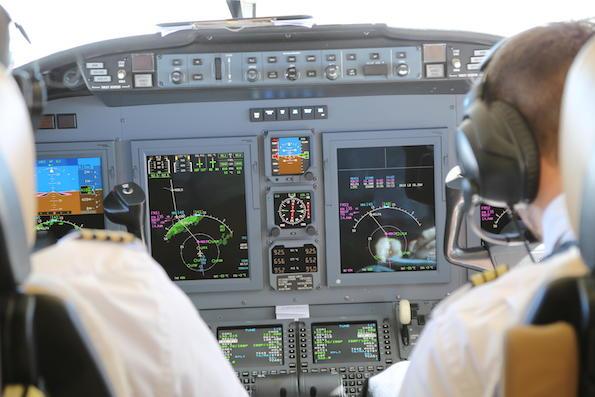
(105, 235)
(488, 275)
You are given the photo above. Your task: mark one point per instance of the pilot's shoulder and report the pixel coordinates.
(111, 236)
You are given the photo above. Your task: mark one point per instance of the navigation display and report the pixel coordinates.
(290, 155)
(197, 209)
(345, 342)
(386, 209)
(494, 219)
(69, 195)
(260, 346)
(293, 210)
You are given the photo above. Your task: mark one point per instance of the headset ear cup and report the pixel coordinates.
(527, 146)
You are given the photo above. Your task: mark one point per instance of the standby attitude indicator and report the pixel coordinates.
(290, 155)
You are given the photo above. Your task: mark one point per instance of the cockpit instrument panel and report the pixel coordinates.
(69, 194)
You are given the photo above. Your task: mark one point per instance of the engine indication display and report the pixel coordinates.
(345, 342)
(386, 209)
(69, 194)
(290, 155)
(293, 209)
(197, 206)
(302, 259)
(260, 346)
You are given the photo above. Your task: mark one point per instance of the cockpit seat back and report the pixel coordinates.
(42, 341)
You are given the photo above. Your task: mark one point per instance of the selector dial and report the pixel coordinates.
(291, 73)
(402, 70)
(177, 77)
(252, 75)
(331, 72)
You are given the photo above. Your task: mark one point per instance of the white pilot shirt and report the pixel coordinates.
(460, 350)
(147, 332)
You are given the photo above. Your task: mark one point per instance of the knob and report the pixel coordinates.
(291, 73)
(275, 232)
(331, 72)
(311, 230)
(252, 75)
(176, 77)
(402, 70)
(456, 63)
(121, 74)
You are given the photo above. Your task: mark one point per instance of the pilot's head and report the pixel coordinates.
(514, 125)
(17, 151)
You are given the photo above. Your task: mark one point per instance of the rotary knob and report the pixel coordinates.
(331, 72)
(252, 75)
(403, 70)
(291, 73)
(176, 77)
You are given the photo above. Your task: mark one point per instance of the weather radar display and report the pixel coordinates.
(197, 207)
(69, 195)
(386, 209)
(290, 155)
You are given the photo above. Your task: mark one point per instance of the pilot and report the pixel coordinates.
(460, 351)
(148, 334)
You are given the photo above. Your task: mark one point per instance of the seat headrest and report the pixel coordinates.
(17, 149)
(577, 147)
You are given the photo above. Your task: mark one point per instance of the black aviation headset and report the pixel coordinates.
(497, 151)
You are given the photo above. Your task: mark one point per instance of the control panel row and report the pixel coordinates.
(355, 350)
(151, 70)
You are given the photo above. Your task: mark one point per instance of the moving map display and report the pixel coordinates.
(290, 155)
(69, 195)
(197, 210)
(494, 219)
(260, 346)
(386, 208)
(345, 342)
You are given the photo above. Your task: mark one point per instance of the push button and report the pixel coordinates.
(283, 114)
(295, 113)
(308, 114)
(256, 115)
(270, 114)
(321, 112)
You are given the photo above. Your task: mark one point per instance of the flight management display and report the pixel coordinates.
(260, 346)
(197, 209)
(69, 194)
(345, 342)
(386, 208)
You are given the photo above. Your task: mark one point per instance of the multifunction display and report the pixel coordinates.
(345, 342)
(301, 259)
(290, 155)
(69, 194)
(197, 207)
(386, 208)
(260, 346)
(293, 210)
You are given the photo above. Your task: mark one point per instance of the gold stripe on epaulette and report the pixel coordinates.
(488, 275)
(106, 235)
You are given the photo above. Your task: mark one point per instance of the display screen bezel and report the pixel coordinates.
(105, 151)
(364, 139)
(249, 147)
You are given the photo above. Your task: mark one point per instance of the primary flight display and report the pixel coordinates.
(69, 194)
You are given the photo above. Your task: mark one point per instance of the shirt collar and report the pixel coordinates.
(555, 225)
